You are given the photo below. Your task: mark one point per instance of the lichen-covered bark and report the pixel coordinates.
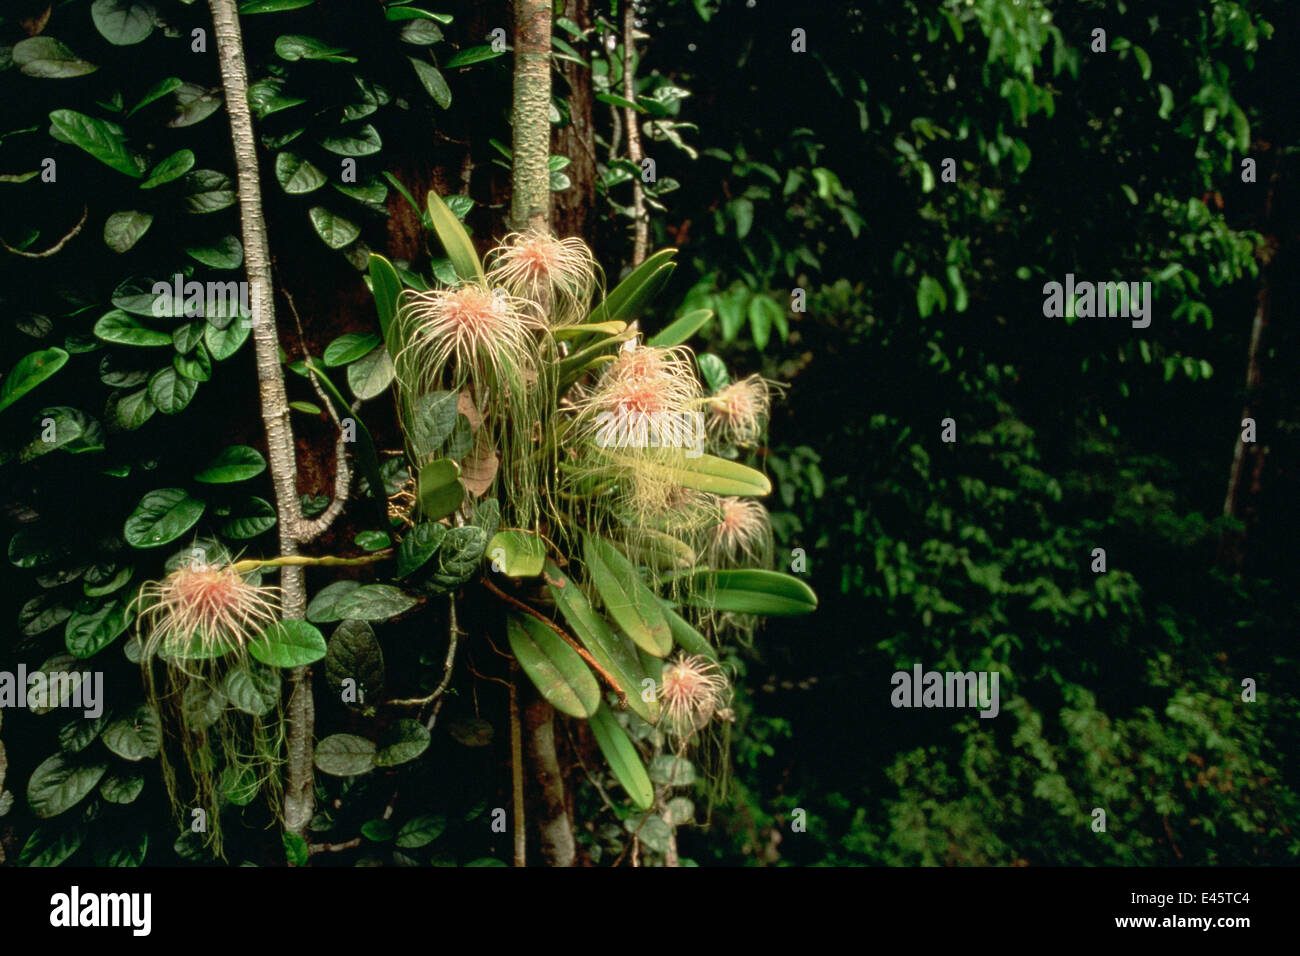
(299, 796)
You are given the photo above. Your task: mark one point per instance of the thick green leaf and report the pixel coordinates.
(295, 46)
(123, 22)
(226, 253)
(374, 602)
(222, 343)
(233, 463)
(322, 608)
(749, 591)
(289, 644)
(355, 655)
(439, 488)
(688, 638)
(248, 519)
(335, 231)
(173, 167)
(122, 230)
(252, 688)
(86, 634)
(395, 12)
(622, 757)
(557, 670)
(433, 81)
(194, 104)
(52, 844)
(517, 554)
(626, 597)
(401, 742)
(348, 348)
(133, 410)
(124, 329)
(60, 783)
(681, 329)
(31, 370)
(103, 140)
(122, 787)
(156, 92)
(704, 473)
(474, 54)
(345, 755)
(386, 286)
(460, 250)
(364, 143)
(170, 392)
(631, 295)
(161, 517)
(135, 736)
(420, 831)
(296, 175)
(419, 546)
(612, 651)
(209, 191)
(371, 374)
(432, 422)
(47, 58)
(272, 6)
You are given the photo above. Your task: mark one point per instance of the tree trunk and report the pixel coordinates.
(571, 210)
(530, 207)
(1232, 543)
(299, 796)
(530, 202)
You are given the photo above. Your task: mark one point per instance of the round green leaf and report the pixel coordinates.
(348, 348)
(235, 463)
(226, 253)
(370, 375)
(252, 689)
(136, 736)
(31, 370)
(87, 634)
(122, 230)
(374, 602)
(355, 655)
(345, 755)
(122, 787)
(289, 644)
(162, 516)
(123, 329)
(170, 168)
(47, 58)
(323, 607)
(123, 22)
(60, 783)
(252, 517)
(170, 392)
(335, 231)
(401, 741)
(296, 175)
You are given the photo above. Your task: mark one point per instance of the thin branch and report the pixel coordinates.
(310, 530)
(315, 848)
(85, 211)
(634, 153)
(438, 691)
(565, 636)
(299, 793)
